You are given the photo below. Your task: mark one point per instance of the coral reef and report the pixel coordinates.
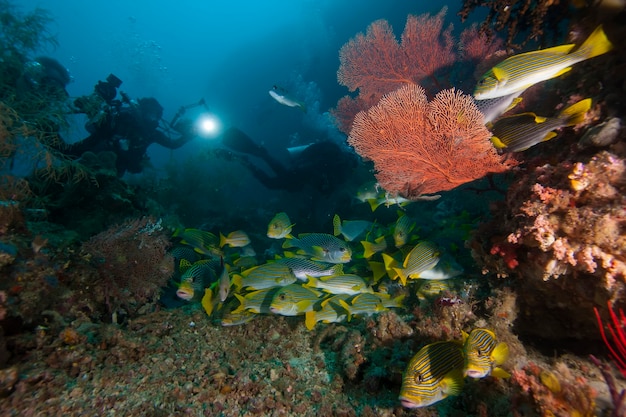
(426, 147)
(131, 263)
(561, 231)
(428, 55)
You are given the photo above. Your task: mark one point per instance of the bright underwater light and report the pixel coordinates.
(208, 125)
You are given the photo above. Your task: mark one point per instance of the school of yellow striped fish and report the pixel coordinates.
(364, 268)
(323, 277)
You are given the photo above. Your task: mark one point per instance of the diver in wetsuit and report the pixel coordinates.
(124, 127)
(322, 165)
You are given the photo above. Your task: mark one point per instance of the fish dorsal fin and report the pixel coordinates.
(184, 265)
(336, 225)
(500, 74)
(559, 49)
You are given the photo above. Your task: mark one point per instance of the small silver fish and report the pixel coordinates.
(280, 95)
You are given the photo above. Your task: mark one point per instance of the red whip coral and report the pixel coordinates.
(420, 147)
(617, 328)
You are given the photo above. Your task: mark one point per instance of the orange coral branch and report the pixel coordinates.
(420, 147)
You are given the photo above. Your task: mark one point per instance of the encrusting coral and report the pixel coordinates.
(561, 235)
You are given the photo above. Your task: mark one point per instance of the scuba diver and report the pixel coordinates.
(322, 165)
(125, 127)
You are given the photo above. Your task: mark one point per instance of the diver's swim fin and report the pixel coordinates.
(238, 141)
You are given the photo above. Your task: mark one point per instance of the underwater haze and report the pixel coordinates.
(230, 53)
(448, 239)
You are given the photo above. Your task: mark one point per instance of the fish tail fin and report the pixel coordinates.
(237, 281)
(289, 242)
(575, 113)
(309, 319)
(401, 275)
(311, 282)
(242, 306)
(596, 44)
(336, 225)
(368, 248)
(222, 240)
(374, 203)
(346, 307)
(207, 301)
(337, 269)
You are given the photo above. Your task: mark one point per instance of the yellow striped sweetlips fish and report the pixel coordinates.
(434, 373)
(520, 71)
(321, 247)
(519, 132)
(280, 226)
(483, 354)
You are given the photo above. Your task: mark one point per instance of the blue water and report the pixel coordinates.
(230, 53)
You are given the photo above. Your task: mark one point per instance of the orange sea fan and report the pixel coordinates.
(420, 147)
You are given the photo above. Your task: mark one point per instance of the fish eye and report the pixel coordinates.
(418, 377)
(479, 352)
(282, 297)
(342, 249)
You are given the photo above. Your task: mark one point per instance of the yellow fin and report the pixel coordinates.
(368, 249)
(237, 281)
(400, 273)
(500, 373)
(373, 202)
(500, 74)
(575, 113)
(547, 137)
(465, 335)
(207, 301)
(497, 142)
(452, 383)
(596, 44)
(309, 319)
(303, 305)
(559, 49)
(378, 270)
(336, 225)
(514, 103)
(346, 307)
(563, 71)
(184, 265)
(500, 353)
(550, 380)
